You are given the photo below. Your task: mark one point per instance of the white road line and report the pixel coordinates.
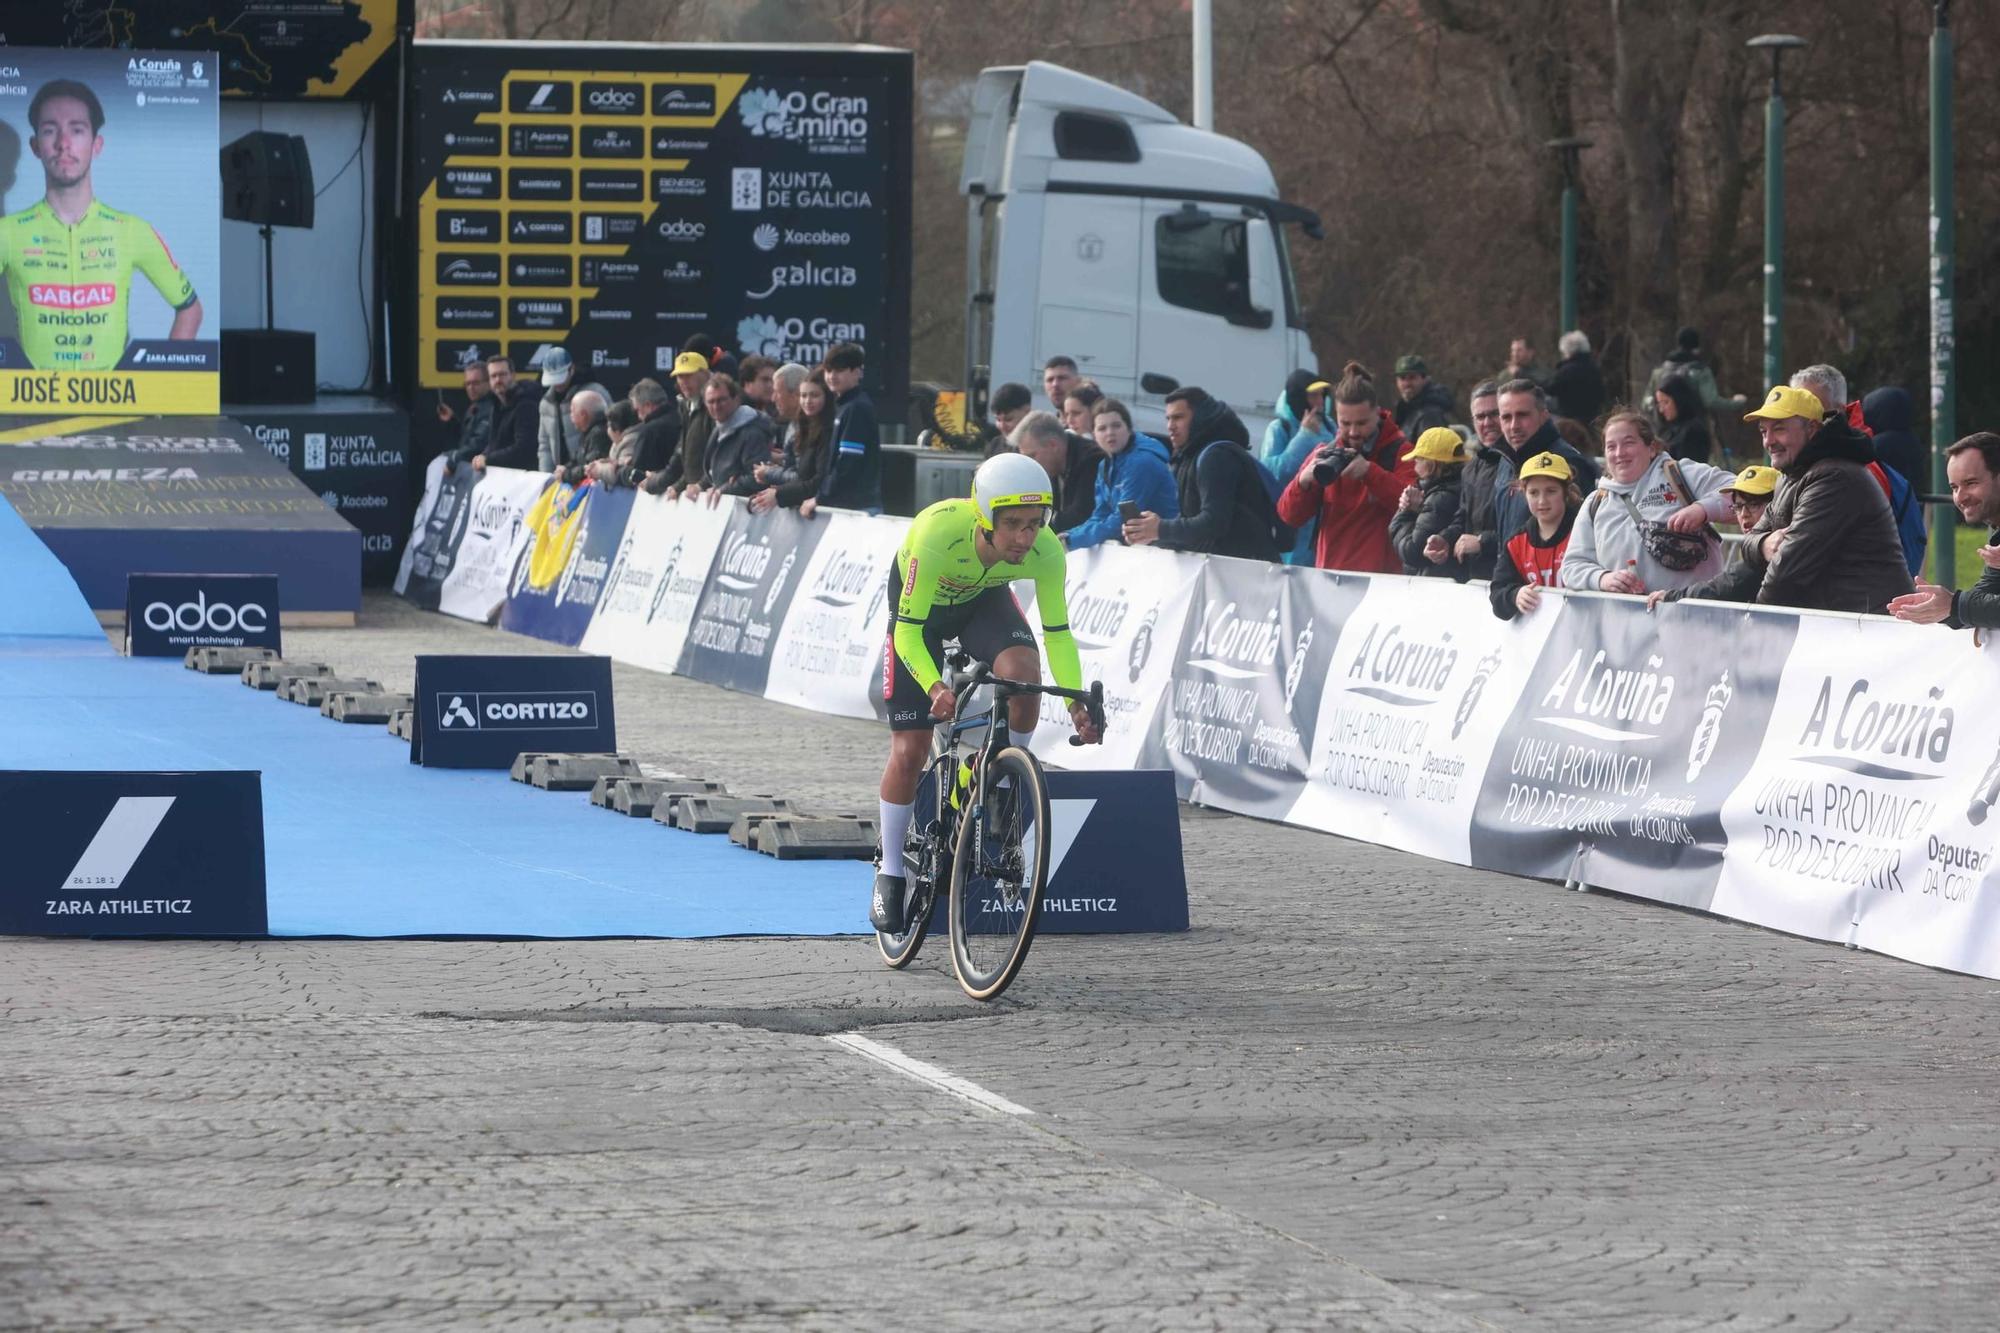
(941, 1079)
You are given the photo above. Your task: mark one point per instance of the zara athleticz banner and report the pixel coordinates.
(132, 854)
(111, 233)
(750, 589)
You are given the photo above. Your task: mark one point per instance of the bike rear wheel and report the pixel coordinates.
(999, 870)
(926, 866)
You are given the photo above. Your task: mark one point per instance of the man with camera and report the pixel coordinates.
(1352, 482)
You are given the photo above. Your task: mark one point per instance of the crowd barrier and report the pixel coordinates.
(1830, 776)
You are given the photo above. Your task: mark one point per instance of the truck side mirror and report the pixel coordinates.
(1260, 257)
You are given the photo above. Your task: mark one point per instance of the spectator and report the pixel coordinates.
(1479, 558)
(475, 424)
(651, 442)
(587, 408)
(1526, 429)
(1079, 408)
(853, 477)
(515, 421)
(1887, 412)
(1427, 510)
(1828, 540)
(1521, 364)
(1827, 384)
(756, 374)
(1135, 470)
(1532, 559)
(692, 426)
(714, 356)
(558, 440)
(1009, 404)
(786, 381)
(1421, 402)
(1685, 361)
(621, 420)
(1749, 495)
(1972, 466)
(1070, 460)
(1286, 447)
(1650, 524)
(1683, 419)
(742, 439)
(1577, 435)
(1058, 374)
(794, 484)
(1354, 483)
(1576, 388)
(1225, 508)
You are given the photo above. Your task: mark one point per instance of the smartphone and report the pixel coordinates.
(1127, 510)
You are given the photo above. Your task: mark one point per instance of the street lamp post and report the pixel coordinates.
(1774, 206)
(1944, 405)
(1569, 149)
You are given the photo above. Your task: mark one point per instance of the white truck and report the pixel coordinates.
(1100, 227)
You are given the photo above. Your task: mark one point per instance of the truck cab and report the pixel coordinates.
(1100, 227)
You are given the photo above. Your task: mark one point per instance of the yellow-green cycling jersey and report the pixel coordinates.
(938, 566)
(71, 285)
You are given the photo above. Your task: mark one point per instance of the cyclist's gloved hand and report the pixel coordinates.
(943, 702)
(1086, 731)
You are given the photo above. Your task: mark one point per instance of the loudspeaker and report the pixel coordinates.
(269, 366)
(267, 178)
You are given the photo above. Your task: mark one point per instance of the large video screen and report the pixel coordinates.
(110, 232)
(617, 200)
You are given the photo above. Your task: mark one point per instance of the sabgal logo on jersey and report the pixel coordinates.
(73, 296)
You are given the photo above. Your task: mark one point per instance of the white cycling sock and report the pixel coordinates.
(895, 831)
(1020, 738)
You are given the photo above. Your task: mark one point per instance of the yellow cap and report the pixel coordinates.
(1547, 465)
(690, 363)
(1755, 480)
(1318, 386)
(1784, 401)
(1439, 444)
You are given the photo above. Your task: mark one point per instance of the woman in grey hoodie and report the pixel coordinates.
(1649, 525)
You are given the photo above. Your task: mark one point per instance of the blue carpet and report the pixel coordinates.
(357, 840)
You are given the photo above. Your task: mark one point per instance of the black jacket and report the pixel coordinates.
(804, 466)
(852, 478)
(734, 451)
(1476, 511)
(1509, 512)
(652, 445)
(1578, 388)
(1409, 529)
(1887, 412)
(1076, 495)
(1687, 435)
(515, 422)
(596, 444)
(1225, 509)
(475, 431)
(1841, 550)
(1978, 607)
(1431, 407)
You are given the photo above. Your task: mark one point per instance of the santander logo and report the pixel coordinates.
(73, 296)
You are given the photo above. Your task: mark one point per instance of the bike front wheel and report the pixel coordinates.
(998, 873)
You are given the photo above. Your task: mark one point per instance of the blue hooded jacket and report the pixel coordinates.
(1140, 473)
(1284, 451)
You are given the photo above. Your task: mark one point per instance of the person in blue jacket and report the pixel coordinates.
(1301, 426)
(1135, 468)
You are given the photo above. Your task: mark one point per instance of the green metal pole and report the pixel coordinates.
(1569, 259)
(1774, 233)
(1944, 404)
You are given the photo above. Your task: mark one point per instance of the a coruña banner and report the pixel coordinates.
(110, 242)
(573, 538)
(469, 532)
(1834, 776)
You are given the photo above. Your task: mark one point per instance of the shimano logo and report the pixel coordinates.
(543, 710)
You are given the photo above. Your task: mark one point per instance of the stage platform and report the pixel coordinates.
(358, 841)
(174, 495)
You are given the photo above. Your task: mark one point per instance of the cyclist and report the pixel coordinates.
(68, 259)
(950, 582)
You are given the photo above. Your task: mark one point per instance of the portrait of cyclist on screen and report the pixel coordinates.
(68, 259)
(951, 581)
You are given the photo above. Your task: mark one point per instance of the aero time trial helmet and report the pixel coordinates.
(1006, 480)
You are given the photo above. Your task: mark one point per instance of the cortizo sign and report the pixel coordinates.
(167, 614)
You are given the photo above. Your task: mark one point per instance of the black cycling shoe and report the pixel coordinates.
(885, 910)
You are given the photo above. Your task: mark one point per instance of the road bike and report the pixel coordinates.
(980, 826)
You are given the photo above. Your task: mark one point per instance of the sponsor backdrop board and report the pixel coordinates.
(106, 854)
(278, 49)
(1834, 776)
(483, 712)
(118, 312)
(354, 454)
(617, 199)
(114, 497)
(168, 614)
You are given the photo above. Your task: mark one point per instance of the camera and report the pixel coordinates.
(1332, 461)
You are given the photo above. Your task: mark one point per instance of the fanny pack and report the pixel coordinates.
(1678, 551)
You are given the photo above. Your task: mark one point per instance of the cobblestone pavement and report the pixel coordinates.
(1366, 1091)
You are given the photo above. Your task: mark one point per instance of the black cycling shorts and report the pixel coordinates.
(986, 626)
